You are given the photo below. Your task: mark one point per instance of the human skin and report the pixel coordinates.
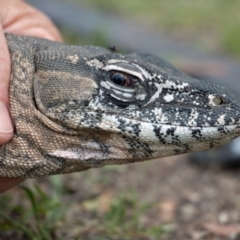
(20, 18)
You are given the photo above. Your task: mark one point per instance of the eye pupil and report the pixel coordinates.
(119, 79)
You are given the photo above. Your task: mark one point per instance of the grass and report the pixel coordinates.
(45, 214)
(35, 219)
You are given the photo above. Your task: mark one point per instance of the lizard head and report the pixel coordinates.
(132, 107)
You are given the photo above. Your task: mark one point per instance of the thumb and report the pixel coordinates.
(6, 128)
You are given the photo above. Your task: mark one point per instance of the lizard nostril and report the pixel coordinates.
(216, 100)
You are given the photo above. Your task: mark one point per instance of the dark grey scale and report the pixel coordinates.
(158, 134)
(152, 88)
(171, 131)
(98, 117)
(196, 133)
(136, 129)
(122, 125)
(176, 141)
(221, 130)
(200, 117)
(32, 173)
(174, 137)
(138, 149)
(53, 161)
(180, 116)
(90, 119)
(163, 79)
(104, 148)
(227, 120)
(225, 131)
(131, 127)
(147, 150)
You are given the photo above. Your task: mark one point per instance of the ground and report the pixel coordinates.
(161, 199)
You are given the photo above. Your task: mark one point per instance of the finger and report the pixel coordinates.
(6, 128)
(35, 31)
(7, 183)
(23, 19)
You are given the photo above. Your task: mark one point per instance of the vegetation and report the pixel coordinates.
(52, 209)
(214, 24)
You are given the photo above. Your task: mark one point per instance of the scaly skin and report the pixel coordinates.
(77, 107)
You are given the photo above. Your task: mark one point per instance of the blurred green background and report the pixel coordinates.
(213, 25)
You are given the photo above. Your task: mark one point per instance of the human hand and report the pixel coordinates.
(17, 17)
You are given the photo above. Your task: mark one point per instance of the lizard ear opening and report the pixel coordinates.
(56, 91)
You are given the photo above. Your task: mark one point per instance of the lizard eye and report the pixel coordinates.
(124, 82)
(122, 79)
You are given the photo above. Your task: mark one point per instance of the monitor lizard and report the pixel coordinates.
(79, 107)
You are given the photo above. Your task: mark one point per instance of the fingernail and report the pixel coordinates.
(5, 120)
